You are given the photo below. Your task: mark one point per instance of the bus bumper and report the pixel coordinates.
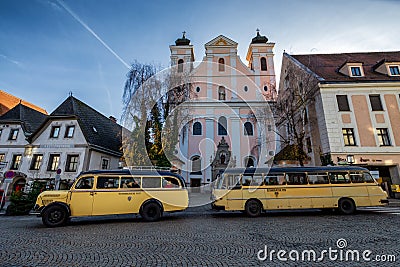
(216, 207)
(384, 201)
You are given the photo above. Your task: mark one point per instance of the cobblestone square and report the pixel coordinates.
(197, 237)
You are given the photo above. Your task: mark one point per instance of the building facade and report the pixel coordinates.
(354, 112)
(227, 100)
(72, 139)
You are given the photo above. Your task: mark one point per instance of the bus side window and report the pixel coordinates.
(281, 179)
(106, 182)
(257, 181)
(271, 180)
(233, 181)
(368, 178)
(296, 178)
(357, 177)
(246, 180)
(339, 177)
(318, 178)
(85, 183)
(130, 182)
(151, 182)
(170, 182)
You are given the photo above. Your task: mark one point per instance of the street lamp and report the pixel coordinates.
(350, 159)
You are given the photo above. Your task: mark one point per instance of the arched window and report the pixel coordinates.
(221, 64)
(248, 128)
(249, 162)
(266, 88)
(222, 126)
(263, 63)
(221, 93)
(196, 165)
(197, 128)
(180, 65)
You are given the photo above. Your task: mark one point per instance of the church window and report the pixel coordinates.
(221, 64)
(263, 63)
(222, 125)
(180, 65)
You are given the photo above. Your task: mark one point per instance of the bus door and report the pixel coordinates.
(253, 188)
(320, 191)
(275, 192)
(234, 197)
(81, 197)
(298, 191)
(106, 199)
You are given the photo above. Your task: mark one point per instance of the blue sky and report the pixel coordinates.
(51, 47)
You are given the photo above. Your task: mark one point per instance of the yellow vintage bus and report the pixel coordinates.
(254, 190)
(105, 192)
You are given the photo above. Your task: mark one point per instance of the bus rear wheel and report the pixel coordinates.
(151, 212)
(346, 206)
(253, 208)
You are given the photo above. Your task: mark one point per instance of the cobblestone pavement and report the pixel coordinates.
(198, 237)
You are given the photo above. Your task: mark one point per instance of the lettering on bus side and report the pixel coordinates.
(275, 189)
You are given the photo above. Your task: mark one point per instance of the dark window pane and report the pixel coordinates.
(222, 125)
(221, 64)
(197, 128)
(376, 103)
(355, 71)
(263, 63)
(343, 103)
(180, 65)
(248, 128)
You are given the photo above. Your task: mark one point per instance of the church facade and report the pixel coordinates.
(230, 116)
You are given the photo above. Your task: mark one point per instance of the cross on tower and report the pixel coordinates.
(184, 33)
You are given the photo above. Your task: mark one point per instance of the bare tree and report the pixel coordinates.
(151, 115)
(296, 93)
(136, 136)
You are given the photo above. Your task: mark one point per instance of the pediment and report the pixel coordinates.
(221, 41)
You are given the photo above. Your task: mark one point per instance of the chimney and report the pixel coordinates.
(113, 119)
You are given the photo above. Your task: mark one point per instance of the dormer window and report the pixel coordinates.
(355, 71)
(352, 69)
(394, 70)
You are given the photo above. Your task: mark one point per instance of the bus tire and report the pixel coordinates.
(253, 208)
(151, 211)
(346, 206)
(54, 216)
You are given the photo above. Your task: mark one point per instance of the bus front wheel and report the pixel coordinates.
(151, 212)
(55, 216)
(346, 206)
(253, 208)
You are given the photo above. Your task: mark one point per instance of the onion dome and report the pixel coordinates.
(183, 40)
(259, 39)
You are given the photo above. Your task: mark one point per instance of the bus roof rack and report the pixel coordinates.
(147, 168)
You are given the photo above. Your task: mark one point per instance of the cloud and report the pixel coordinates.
(19, 64)
(75, 16)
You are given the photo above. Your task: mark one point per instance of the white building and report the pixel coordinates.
(72, 139)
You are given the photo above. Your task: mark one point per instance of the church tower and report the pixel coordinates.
(261, 62)
(182, 52)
